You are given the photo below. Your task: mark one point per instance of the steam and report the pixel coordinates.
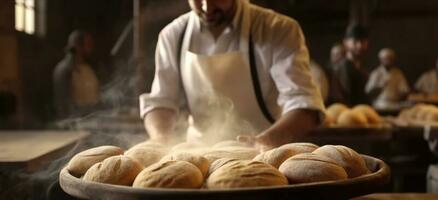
(220, 123)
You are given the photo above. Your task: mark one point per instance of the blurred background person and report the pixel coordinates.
(320, 78)
(76, 84)
(428, 82)
(387, 85)
(337, 54)
(350, 72)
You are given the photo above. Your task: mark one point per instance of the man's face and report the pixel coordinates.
(356, 46)
(214, 12)
(387, 60)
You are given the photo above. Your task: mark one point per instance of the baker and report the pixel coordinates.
(235, 68)
(76, 81)
(387, 85)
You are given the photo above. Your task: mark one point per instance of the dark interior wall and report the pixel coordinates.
(10, 87)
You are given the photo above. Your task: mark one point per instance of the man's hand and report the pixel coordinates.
(291, 127)
(160, 124)
(259, 141)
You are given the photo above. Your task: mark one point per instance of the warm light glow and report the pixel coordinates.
(19, 17)
(25, 16)
(30, 21)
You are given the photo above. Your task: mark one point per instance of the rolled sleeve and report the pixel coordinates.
(166, 91)
(291, 71)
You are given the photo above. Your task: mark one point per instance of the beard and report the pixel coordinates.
(217, 18)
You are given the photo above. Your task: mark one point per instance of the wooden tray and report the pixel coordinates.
(346, 189)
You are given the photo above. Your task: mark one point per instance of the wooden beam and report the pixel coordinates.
(359, 12)
(139, 43)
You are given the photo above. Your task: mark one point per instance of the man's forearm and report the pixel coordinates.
(291, 127)
(160, 124)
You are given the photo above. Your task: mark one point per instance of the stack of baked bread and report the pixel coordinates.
(339, 115)
(228, 164)
(420, 114)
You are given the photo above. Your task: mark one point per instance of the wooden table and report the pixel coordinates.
(30, 150)
(399, 196)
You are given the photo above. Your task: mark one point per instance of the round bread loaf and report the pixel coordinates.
(423, 112)
(405, 114)
(420, 111)
(432, 116)
(334, 110)
(329, 121)
(345, 157)
(145, 155)
(300, 147)
(351, 118)
(230, 143)
(170, 174)
(82, 161)
(371, 115)
(309, 167)
(275, 156)
(117, 170)
(197, 160)
(240, 153)
(245, 173)
(219, 163)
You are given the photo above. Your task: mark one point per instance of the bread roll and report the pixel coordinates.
(329, 121)
(169, 174)
(219, 163)
(300, 147)
(419, 111)
(241, 153)
(117, 170)
(335, 110)
(197, 160)
(229, 143)
(424, 112)
(275, 156)
(352, 118)
(245, 173)
(432, 116)
(405, 114)
(145, 155)
(345, 157)
(82, 161)
(372, 116)
(309, 167)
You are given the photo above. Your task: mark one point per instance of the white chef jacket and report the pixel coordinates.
(393, 84)
(428, 83)
(281, 56)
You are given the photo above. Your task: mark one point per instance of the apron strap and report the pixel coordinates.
(256, 82)
(179, 53)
